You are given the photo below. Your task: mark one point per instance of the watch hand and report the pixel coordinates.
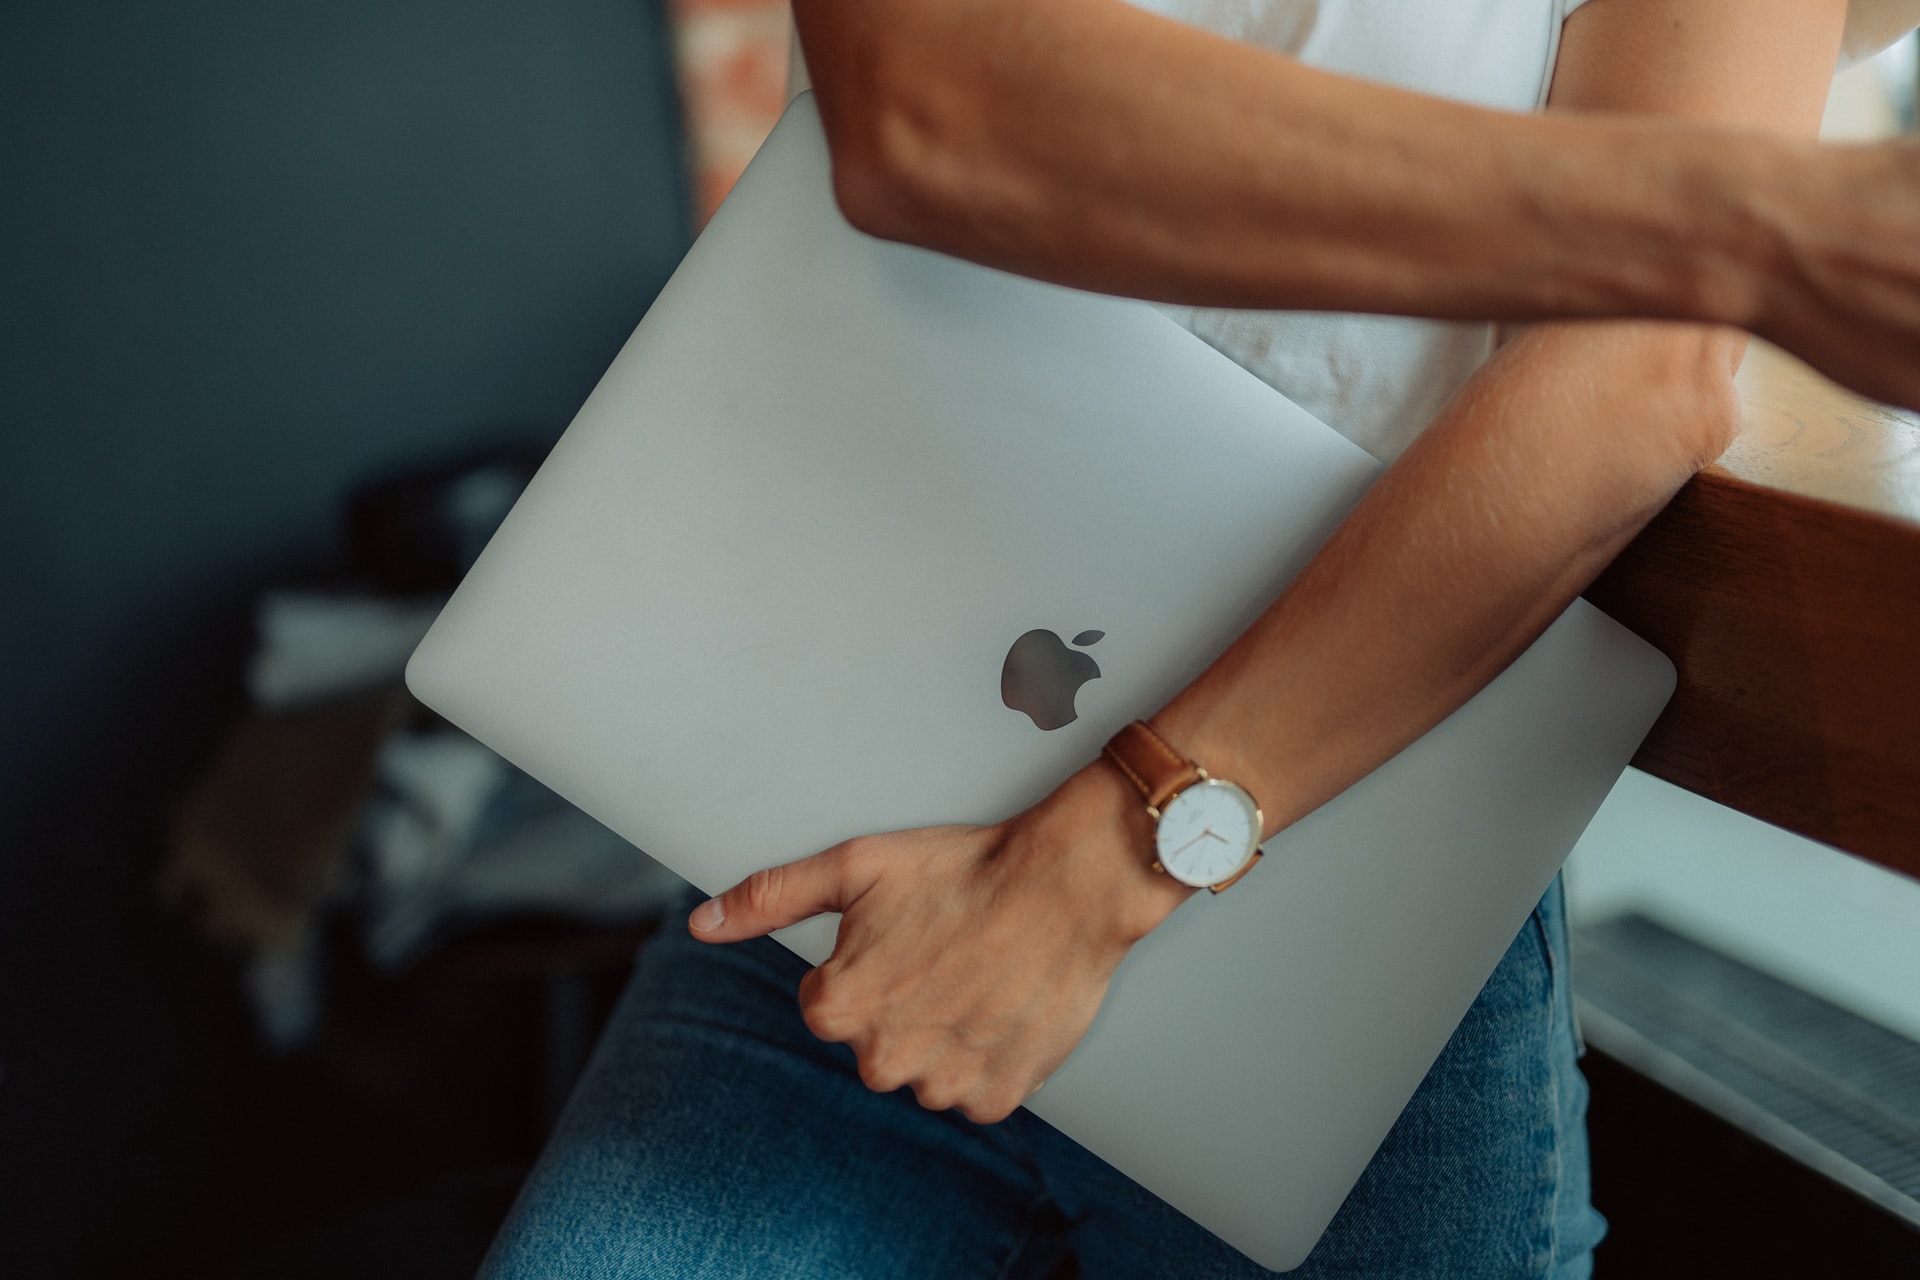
(1216, 835)
(1189, 844)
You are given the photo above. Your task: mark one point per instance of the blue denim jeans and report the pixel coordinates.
(713, 1136)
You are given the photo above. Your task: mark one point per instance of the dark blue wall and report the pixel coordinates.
(252, 252)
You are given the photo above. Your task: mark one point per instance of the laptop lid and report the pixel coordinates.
(760, 597)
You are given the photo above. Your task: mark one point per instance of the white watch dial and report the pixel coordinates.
(1207, 833)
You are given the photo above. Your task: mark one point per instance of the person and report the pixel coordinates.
(746, 1116)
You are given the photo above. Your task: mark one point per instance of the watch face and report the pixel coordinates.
(1207, 833)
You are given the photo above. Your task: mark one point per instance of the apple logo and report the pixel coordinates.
(1042, 676)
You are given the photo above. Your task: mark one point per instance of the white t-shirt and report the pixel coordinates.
(1380, 380)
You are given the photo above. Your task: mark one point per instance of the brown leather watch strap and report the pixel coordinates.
(1155, 769)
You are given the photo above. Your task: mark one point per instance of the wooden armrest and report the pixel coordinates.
(1785, 584)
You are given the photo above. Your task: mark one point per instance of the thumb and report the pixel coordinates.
(780, 896)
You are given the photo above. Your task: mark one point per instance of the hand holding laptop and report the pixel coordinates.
(970, 960)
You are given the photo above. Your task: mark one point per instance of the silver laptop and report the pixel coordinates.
(762, 595)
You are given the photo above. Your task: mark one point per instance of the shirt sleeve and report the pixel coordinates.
(1872, 25)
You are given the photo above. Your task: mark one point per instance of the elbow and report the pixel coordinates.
(1710, 403)
(1684, 400)
(1677, 414)
(900, 136)
(871, 184)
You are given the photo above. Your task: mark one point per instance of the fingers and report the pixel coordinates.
(985, 1088)
(780, 896)
(943, 980)
(982, 1096)
(984, 1103)
(942, 1075)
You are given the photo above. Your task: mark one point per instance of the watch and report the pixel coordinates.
(1206, 830)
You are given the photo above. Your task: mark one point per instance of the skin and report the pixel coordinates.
(971, 960)
(1090, 143)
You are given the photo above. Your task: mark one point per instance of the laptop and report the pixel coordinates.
(762, 595)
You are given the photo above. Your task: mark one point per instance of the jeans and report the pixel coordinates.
(713, 1136)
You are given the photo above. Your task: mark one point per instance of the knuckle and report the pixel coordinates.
(991, 1104)
(935, 1097)
(851, 857)
(881, 1072)
(827, 1018)
(984, 1110)
(760, 892)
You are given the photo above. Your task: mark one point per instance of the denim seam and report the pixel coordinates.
(1544, 1261)
(1027, 1224)
(1556, 1169)
(1538, 918)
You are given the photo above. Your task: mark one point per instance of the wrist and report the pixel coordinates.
(1098, 833)
(1734, 227)
(1657, 220)
(1221, 745)
(1802, 212)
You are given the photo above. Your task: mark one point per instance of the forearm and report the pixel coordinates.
(1550, 459)
(1535, 476)
(1093, 144)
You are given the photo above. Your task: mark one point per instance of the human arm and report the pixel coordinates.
(1545, 465)
(970, 960)
(1094, 144)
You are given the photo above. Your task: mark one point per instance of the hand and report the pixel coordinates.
(970, 960)
(1846, 293)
